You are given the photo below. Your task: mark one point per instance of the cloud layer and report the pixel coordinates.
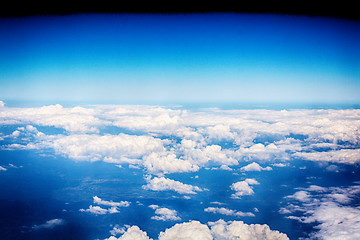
(220, 230)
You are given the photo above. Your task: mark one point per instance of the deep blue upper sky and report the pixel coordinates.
(180, 58)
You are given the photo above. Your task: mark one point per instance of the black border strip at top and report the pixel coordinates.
(334, 10)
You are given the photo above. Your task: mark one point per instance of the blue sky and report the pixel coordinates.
(180, 58)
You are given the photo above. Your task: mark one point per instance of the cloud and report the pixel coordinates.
(132, 233)
(99, 201)
(77, 119)
(348, 156)
(99, 210)
(164, 163)
(192, 230)
(242, 188)
(49, 224)
(330, 209)
(239, 230)
(164, 214)
(220, 230)
(2, 168)
(254, 167)
(252, 181)
(302, 196)
(228, 212)
(166, 184)
(93, 147)
(2, 104)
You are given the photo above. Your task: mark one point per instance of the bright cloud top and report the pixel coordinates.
(220, 230)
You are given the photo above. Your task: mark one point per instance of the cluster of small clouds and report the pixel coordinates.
(243, 188)
(329, 208)
(219, 230)
(114, 206)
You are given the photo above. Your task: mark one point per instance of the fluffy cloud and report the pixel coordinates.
(99, 210)
(2, 168)
(99, 201)
(239, 230)
(49, 224)
(242, 188)
(77, 119)
(164, 214)
(228, 212)
(255, 167)
(348, 156)
(220, 230)
(166, 184)
(192, 230)
(2, 104)
(163, 163)
(132, 233)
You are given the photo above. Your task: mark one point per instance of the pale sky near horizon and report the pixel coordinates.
(180, 58)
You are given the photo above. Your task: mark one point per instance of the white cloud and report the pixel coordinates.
(92, 147)
(163, 163)
(117, 230)
(255, 167)
(280, 165)
(328, 209)
(228, 212)
(252, 181)
(165, 214)
(49, 224)
(348, 156)
(222, 230)
(2, 104)
(336, 222)
(132, 233)
(99, 210)
(192, 230)
(75, 119)
(2, 168)
(302, 196)
(241, 188)
(99, 201)
(166, 184)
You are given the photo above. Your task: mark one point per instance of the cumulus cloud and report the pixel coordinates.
(2, 104)
(77, 119)
(163, 163)
(99, 210)
(228, 212)
(255, 167)
(166, 184)
(164, 214)
(192, 230)
(348, 156)
(239, 230)
(243, 188)
(49, 224)
(132, 233)
(99, 201)
(220, 230)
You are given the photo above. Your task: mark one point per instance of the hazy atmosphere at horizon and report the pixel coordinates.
(179, 126)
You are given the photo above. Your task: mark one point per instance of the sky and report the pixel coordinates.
(178, 58)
